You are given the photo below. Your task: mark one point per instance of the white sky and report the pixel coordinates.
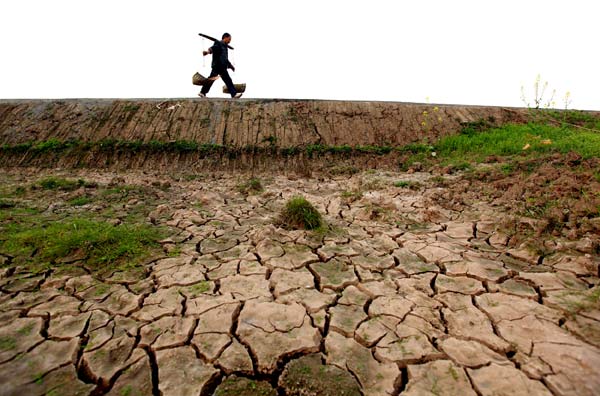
(461, 51)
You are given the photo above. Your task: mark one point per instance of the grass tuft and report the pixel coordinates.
(301, 214)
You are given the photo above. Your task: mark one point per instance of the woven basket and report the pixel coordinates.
(199, 79)
(238, 87)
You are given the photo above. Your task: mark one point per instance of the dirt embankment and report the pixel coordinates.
(239, 123)
(223, 134)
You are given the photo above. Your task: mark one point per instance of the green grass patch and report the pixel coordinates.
(576, 117)
(301, 214)
(40, 242)
(513, 139)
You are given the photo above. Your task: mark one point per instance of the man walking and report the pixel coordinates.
(220, 64)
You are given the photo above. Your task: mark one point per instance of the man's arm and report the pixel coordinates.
(211, 50)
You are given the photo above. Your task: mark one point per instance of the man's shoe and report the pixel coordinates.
(238, 95)
(202, 95)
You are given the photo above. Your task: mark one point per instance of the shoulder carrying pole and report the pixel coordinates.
(212, 39)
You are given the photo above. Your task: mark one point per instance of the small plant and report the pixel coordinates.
(197, 289)
(49, 145)
(205, 122)
(372, 184)
(461, 166)
(379, 212)
(272, 140)
(126, 390)
(539, 90)
(25, 330)
(430, 118)
(80, 201)
(439, 180)
(507, 168)
(56, 183)
(252, 186)
(413, 185)
(343, 170)
(131, 107)
(351, 196)
(471, 128)
(300, 214)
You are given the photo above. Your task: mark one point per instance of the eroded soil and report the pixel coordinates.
(402, 295)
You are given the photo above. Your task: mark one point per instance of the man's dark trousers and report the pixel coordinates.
(226, 79)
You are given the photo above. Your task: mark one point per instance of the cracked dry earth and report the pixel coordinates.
(386, 303)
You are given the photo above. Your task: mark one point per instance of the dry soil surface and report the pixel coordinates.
(400, 296)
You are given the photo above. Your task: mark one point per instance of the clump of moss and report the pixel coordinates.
(300, 214)
(309, 376)
(239, 386)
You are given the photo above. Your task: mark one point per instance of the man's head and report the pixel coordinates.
(226, 38)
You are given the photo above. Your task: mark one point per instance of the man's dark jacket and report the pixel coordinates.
(220, 58)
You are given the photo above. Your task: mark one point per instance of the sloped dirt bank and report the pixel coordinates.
(287, 123)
